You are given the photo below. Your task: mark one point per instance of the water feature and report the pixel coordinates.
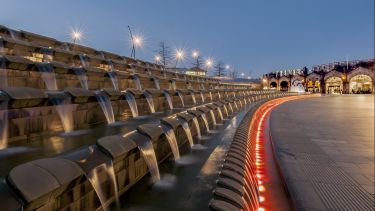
(81, 75)
(169, 100)
(218, 93)
(106, 106)
(112, 75)
(3, 124)
(84, 59)
(172, 85)
(220, 113)
(150, 101)
(65, 108)
(213, 117)
(157, 84)
(132, 103)
(171, 138)
(204, 118)
(137, 82)
(235, 104)
(202, 97)
(231, 108)
(181, 98)
(3, 73)
(187, 130)
(211, 96)
(48, 75)
(193, 97)
(226, 110)
(197, 128)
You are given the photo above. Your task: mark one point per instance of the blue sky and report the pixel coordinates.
(255, 36)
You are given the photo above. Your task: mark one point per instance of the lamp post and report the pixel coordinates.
(136, 42)
(179, 55)
(76, 35)
(208, 63)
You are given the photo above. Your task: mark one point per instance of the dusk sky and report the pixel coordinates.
(255, 36)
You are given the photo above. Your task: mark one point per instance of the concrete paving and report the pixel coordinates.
(325, 149)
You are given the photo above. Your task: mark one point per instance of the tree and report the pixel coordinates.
(233, 73)
(197, 62)
(219, 69)
(164, 52)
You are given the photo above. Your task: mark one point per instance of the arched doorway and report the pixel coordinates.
(334, 85)
(273, 85)
(284, 86)
(360, 84)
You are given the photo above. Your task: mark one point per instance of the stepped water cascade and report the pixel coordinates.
(150, 101)
(172, 85)
(235, 104)
(213, 117)
(185, 126)
(84, 59)
(226, 110)
(202, 97)
(3, 73)
(204, 118)
(137, 82)
(48, 75)
(171, 138)
(112, 75)
(181, 98)
(82, 77)
(169, 100)
(220, 113)
(65, 108)
(148, 153)
(193, 97)
(218, 93)
(157, 84)
(100, 174)
(3, 124)
(197, 128)
(132, 103)
(106, 106)
(231, 108)
(211, 96)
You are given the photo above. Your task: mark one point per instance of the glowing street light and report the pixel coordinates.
(136, 40)
(157, 59)
(195, 54)
(227, 67)
(76, 35)
(242, 75)
(179, 55)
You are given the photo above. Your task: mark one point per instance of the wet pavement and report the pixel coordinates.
(186, 184)
(51, 145)
(325, 149)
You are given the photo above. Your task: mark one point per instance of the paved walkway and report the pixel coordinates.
(325, 148)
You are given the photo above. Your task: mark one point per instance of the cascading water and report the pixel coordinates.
(132, 103)
(157, 84)
(3, 124)
(197, 128)
(204, 118)
(220, 113)
(181, 98)
(169, 100)
(231, 108)
(218, 93)
(226, 110)
(213, 117)
(211, 96)
(112, 75)
(137, 81)
(202, 97)
(235, 104)
(150, 101)
(171, 138)
(48, 75)
(193, 98)
(84, 60)
(106, 106)
(81, 75)
(172, 85)
(65, 108)
(187, 130)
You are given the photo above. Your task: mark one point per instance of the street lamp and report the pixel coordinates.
(136, 41)
(157, 59)
(76, 35)
(195, 54)
(179, 56)
(242, 75)
(227, 67)
(208, 63)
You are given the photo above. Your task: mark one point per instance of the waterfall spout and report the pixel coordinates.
(171, 137)
(187, 130)
(112, 75)
(106, 106)
(197, 128)
(181, 98)
(150, 101)
(81, 75)
(213, 117)
(48, 75)
(132, 103)
(204, 118)
(169, 100)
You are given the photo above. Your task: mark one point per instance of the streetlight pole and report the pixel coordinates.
(133, 46)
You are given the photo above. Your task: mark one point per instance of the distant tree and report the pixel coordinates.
(164, 51)
(197, 62)
(219, 69)
(233, 73)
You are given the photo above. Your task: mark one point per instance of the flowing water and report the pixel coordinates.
(197, 128)
(211, 96)
(171, 138)
(187, 130)
(137, 81)
(150, 101)
(132, 103)
(48, 75)
(220, 113)
(193, 98)
(181, 98)
(205, 122)
(172, 85)
(106, 106)
(157, 84)
(213, 117)
(169, 100)
(85, 62)
(202, 97)
(112, 75)
(81, 75)
(231, 108)
(226, 110)
(65, 108)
